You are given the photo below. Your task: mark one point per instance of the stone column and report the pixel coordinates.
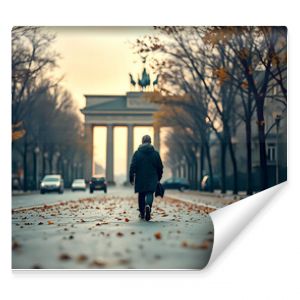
(129, 148)
(156, 141)
(88, 162)
(110, 155)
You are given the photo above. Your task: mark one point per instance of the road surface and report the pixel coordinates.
(103, 231)
(34, 199)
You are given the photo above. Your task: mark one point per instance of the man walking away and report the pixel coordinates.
(146, 170)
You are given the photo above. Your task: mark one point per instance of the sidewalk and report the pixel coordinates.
(212, 200)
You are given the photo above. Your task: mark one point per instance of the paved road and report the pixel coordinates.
(190, 196)
(104, 231)
(36, 199)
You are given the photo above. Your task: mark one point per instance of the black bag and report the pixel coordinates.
(159, 190)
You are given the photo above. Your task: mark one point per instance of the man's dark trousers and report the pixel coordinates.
(145, 198)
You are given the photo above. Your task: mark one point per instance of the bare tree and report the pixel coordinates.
(261, 56)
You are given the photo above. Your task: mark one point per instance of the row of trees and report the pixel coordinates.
(45, 126)
(212, 80)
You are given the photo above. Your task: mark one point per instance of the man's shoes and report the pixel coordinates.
(141, 216)
(147, 213)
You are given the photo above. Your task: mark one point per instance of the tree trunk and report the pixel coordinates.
(196, 175)
(35, 180)
(234, 167)
(201, 164)
(179, 171)
(262, 144)
(50, 161)
(223, 167)
(25, 167)
(184, 171)
(210, 170)
(59, 166)
(249, 157)
(190, 174)
(44, 165)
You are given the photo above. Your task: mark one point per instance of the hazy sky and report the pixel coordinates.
(97, 60)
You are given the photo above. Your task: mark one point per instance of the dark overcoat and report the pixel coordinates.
(146, 169)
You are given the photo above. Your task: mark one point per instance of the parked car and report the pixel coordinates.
(52, 183)
(176, 183)
(98, 183)
(78, 185)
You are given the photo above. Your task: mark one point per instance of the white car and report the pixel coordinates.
(78, 184)
(52, 183)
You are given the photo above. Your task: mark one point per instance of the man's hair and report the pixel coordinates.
(146, 139)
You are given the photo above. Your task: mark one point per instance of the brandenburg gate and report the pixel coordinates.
(132, 109)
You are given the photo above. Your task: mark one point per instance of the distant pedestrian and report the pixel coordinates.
(146, 170)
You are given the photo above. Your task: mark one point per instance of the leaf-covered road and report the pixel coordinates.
(105, 232)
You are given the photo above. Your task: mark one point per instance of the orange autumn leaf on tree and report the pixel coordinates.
(221, 74)
(17, 131)
(244, 84)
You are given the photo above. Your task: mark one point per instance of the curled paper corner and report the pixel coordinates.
(229, 221)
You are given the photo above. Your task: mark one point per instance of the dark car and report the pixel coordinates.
(52, 183)
(98, 183)
(176, 183)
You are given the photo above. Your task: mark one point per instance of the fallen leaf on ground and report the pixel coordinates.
(184, 244)
(65, 256)
(205, 244)
(124, 261)
(157, 235)
(126, 220)
(50, 222)
(120, 234)
(82, 258)
(15, 245)
(98, 263)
